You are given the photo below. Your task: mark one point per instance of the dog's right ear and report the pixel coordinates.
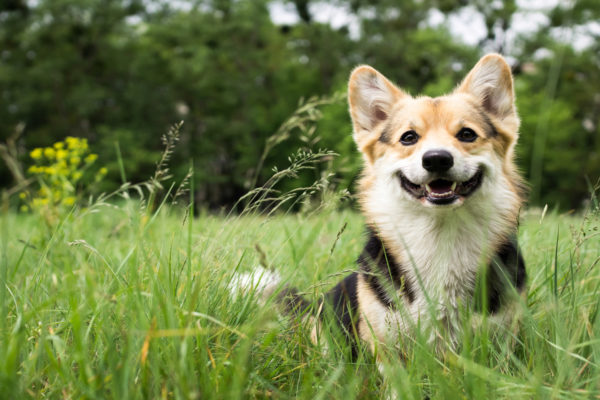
(371, 97)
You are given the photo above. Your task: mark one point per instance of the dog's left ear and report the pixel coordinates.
(491, 83)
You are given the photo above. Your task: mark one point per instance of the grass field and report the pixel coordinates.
(121, 304)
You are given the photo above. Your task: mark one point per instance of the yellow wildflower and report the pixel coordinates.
(49, 152)
(59, 168)
(36, 154)
(74, 143)
(40, 202)
(71, 142)
(61, 154)
(24, 208)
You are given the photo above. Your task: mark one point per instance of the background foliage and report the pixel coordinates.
(123, 71)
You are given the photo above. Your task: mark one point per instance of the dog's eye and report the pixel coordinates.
(409, 138)
(466, 135)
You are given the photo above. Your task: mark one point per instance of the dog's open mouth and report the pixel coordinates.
(442, 191)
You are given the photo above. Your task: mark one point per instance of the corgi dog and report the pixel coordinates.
(441, 196)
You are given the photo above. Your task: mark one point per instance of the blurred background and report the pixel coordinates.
(121, 72)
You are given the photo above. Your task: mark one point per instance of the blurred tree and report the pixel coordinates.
(498, 20)
(234, 77)
(123, 71)
(559, 102)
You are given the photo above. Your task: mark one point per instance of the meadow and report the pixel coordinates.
(125, 295)
(118, 302)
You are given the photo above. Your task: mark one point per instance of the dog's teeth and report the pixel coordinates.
(446, 194)
(453, 186)
(428, 188)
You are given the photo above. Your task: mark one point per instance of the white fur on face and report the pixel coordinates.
(464, 168)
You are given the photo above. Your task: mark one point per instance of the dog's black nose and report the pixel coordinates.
(437, 161)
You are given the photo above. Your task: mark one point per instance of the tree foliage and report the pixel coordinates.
(123, 71)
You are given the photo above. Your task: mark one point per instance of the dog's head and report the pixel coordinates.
(437, 152)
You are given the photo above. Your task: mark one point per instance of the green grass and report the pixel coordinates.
(116, 304)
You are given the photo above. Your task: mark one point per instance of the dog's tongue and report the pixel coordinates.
(440, 186)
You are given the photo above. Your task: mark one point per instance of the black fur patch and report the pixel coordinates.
(343, 300)
(379, 268)
(506, 271)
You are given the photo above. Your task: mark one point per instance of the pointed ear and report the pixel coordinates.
(371, 97)
(491, 83)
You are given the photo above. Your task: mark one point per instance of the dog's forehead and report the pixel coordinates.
(425, 113)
